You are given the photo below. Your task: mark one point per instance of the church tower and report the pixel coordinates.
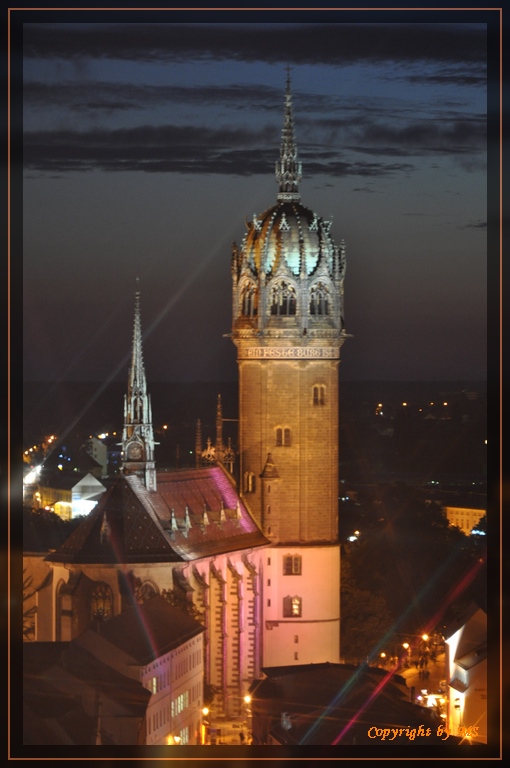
(138, 437)
(288, 327)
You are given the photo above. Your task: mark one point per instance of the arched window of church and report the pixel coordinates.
(283, 299)
(279, 436)
(319, 394)
(319, 300)
(286, 436)
(145, 591)
(292, 607)
(101, 602)
(249, 301)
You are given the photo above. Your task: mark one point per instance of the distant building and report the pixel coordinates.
(85, 495)
(465, 518)
(466, 664)
(99, 452)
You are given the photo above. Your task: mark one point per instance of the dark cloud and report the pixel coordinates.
(173, 149)
(430, 137)
(96, 95)
(223, 150)
(293, 43)
(478, 225)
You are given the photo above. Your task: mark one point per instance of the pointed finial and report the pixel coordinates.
(288, 168)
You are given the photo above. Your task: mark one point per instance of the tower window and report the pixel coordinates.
(292, 565)
(292, 607)
(283, 436)
(249, 301)
(319, 300)
(249, 482)
(319, 394)
(283, 299)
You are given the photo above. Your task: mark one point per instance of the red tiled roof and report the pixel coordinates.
(131, 524)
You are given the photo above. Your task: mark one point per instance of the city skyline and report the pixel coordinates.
(145, 152)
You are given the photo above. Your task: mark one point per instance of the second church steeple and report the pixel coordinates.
(138, 436)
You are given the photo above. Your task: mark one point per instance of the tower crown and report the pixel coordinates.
(288, 273)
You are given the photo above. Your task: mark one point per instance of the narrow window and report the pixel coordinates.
(249, 301)
(101, 602)
(296, 638)
(279, 436)
(286, 436)
(295, 656)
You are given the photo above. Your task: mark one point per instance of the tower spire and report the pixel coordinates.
(138, 437)
(288, 168)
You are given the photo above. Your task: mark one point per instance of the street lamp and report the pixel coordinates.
(249, 717)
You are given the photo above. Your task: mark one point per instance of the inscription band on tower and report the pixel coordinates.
(329, 353)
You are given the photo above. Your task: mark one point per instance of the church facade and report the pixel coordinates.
(259, 562)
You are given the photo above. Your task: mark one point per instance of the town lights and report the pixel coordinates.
(247, 699)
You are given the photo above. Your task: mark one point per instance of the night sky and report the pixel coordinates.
(148, 145)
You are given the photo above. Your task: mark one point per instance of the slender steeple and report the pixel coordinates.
(138, 437)
(288, 168)
(219, 427)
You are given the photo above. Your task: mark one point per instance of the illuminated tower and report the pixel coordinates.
(137, 436)
(288, 329)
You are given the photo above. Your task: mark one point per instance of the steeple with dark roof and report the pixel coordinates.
(138, 437)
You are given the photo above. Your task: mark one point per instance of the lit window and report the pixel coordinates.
(292, 565)
(101, 602)
(292, 607)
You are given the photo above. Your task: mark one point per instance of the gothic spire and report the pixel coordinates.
(137, 382)
(138, 437)
(288, 168)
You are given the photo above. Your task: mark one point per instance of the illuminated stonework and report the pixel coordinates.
(288, 327)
